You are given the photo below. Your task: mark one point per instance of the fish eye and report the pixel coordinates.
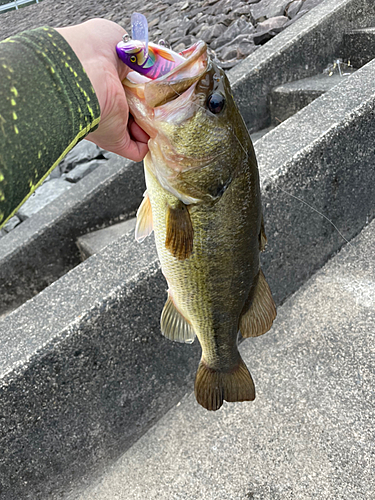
(215, 103)
(133, 59)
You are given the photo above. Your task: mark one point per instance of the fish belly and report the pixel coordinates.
(210, 287)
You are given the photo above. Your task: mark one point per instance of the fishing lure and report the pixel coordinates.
(147, 59)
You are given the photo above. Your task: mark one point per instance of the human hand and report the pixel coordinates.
(94, 42)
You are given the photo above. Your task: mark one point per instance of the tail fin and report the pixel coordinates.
(212, 387)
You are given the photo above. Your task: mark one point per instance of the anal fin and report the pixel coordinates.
(180, 234)
(259, 313)
(212, 386)
(174, 326)
(144, 225)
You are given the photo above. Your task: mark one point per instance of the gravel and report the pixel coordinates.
(181, 23)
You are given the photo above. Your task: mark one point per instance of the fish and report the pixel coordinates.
(149, 60)
(203, 203)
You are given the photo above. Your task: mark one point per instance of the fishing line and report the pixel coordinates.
(326, 341)
(282, 190)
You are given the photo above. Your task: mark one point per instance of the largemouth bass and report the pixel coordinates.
(203, 203)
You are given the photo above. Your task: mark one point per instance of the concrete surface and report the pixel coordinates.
(302, 50)
(84, 368)
(44, 248)
(92, 243)
(286, 100)
(322, 148)
(359, 46)
(310, 432)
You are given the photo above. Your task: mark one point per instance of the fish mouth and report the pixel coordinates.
(170, 86)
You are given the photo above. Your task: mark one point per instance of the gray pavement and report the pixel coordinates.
(310, 432)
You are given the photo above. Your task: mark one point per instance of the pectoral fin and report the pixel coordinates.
(179, 237)
(144, 224)
(259, 311)
(174, 326)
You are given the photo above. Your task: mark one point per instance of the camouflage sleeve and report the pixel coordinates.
(47, 105)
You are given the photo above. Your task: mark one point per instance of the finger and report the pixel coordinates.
(136, 132)
(135, 151)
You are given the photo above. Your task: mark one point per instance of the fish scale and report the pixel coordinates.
(204, 196)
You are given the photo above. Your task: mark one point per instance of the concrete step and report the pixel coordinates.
(92, 243)
(287, 99)
(310, 431)
(255, 136)
(84, 370)
(359, 46)
(43, 248)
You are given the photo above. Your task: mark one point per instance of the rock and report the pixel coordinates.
(228, 64)
(154, 22)
(272, 24)
(236, 28)
(219, 18)
(12, 223)
(180, 47)
(293, 8)
(198, 29)
(83, 151)
(244, 10)
(194, 13)
(186, 40)
(245, 48)
(56, 173)
(188, 27)
(46, 193)
(227, 53)
(219, 42)
(239, 38)
(83, 169)
(310, 4)
(171, 24)
(269, 28)
(295, 18)
(212, 32)
(269, 8)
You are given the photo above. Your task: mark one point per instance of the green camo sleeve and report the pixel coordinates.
(47, 104)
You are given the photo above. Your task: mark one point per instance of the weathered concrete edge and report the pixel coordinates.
(301, 50)
(43, 247)
(309, 374)
(90, 365)
(328, 160)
